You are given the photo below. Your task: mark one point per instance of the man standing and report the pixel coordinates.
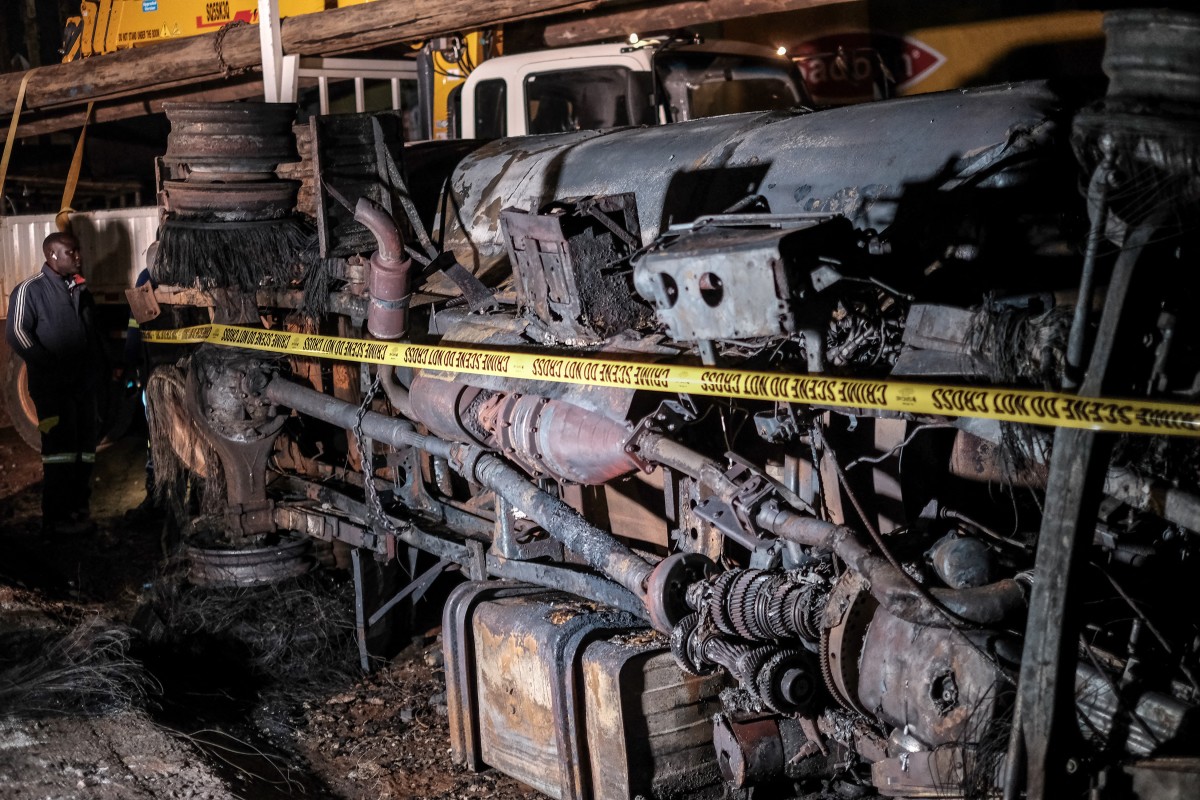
(50, 326)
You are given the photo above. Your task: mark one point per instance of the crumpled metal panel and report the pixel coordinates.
(839, 160)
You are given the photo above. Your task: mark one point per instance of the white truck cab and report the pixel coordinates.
(612, 85)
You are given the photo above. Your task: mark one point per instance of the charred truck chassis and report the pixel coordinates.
(668, 595)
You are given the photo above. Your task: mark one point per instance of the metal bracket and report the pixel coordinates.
(590, 207)
(736, 518)
(479, 297)
(416, 588)
(508, 543)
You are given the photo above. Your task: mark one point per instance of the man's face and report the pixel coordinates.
(64, 258)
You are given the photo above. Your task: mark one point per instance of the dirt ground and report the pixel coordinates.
(185, 706)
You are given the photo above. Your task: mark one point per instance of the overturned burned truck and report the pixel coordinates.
(774, 452)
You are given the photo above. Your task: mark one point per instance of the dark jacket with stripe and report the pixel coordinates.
(51, 328)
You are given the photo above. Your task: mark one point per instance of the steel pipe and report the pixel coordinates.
(598, 548)
(983, 605)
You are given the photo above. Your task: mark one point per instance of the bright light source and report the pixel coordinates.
(634, 38)
(781, 51)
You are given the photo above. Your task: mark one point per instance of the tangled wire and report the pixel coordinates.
(84, 671)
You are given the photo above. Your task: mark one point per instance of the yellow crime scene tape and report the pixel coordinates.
(1008, 405)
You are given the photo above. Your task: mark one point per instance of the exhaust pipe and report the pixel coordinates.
(391, 273)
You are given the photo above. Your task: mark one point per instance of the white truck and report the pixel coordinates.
(650, 82)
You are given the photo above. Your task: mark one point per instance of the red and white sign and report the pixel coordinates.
(852, 66)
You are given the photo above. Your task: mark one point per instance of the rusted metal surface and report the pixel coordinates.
(942, 691)
(531, 694)
(748, 752)
(527, 655)
(597, 548)
(564, 578)
(318, 523)
(142, 305)
(667, 586)
(219, 141)
(989, 604)
(561, 439)
(722, 280)
(349, 520)
(848, 614)
(445, 408)
(978, 459)
(519, 539)
(545, 436)
(243, 433)
(648, 726)
(388, 282)
(458, 644)
(242, 203)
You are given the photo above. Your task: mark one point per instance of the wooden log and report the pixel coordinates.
(66, 118)
(182, 62)
(619, 21)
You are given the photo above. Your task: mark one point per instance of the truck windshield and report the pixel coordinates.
(586, 99)
(699, 84)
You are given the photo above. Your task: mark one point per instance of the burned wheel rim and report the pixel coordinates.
(251, 566)
(211, 139)
(232, 202)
